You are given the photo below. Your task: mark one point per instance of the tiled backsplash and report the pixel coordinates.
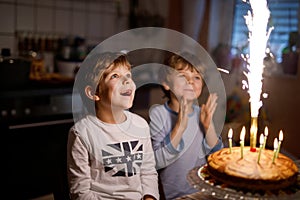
(94, 20)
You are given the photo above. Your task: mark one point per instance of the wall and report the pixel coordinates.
(221, 21)
(93, 20)
(283, 109)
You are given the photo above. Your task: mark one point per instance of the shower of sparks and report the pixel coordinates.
(257, 22)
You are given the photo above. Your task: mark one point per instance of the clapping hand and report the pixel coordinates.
(207, 110)
(182, 119)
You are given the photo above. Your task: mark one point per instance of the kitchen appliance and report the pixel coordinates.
(14, 71)
(35, 122)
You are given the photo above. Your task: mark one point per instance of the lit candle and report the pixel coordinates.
(242, 137)
(230, 133)
(279, 143)
(266, 135)
(275, 149)
(261, 142)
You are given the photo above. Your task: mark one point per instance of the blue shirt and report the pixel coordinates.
(173, 163)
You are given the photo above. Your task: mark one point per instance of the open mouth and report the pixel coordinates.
(126, 92)
(189, 90)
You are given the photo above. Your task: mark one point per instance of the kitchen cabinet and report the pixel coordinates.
(34, 125)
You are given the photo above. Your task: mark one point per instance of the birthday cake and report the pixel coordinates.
(246, 173)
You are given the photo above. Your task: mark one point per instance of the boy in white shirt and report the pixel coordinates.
(110, 155)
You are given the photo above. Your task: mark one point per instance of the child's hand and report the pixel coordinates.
(181, 123)
(182, 119)
(208, 109)
(148, 197)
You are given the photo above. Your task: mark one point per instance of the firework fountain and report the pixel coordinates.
(257, 21)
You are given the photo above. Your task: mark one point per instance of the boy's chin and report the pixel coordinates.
(126, 107)
(121, 107)
(190, 98)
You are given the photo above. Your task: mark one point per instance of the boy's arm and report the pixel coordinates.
(181, 123)
(207, 111)
(78, 169)
(149, 175)
(164, 151)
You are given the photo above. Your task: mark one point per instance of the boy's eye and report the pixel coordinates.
(113, 76)
(128, 75)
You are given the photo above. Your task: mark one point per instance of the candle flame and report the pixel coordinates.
(230, 133)
(261, 139)
(275, 143)
(280, 135)
(243, 132)
(266, 131)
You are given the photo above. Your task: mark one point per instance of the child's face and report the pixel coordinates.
(118, 89)
(186, 83)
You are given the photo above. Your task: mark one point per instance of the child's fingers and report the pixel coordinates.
(182, 107)
(211, 102)
(213, 109)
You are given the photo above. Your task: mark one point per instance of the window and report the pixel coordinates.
(284, 17)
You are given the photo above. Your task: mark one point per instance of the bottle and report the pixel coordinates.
(37, 69)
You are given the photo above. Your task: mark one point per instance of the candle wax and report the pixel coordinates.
(278, 149)
(260, 148)
(242, 148)
(265, 141)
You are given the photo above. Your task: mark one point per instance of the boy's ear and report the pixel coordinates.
(166, 86)
(90, 95)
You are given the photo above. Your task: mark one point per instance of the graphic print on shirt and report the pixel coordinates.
(126, 157)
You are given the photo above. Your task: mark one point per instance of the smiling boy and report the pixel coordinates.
(182, 132)
(110, 155)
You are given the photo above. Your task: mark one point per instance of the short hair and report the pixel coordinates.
(179, 62)
(94, 70)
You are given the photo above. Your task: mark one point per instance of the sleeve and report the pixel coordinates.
(208, 150)
(164, 151)
(79, 177)
(218, 146)
(149, 175)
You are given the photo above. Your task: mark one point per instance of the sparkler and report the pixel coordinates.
(256, 22)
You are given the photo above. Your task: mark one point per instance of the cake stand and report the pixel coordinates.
(201, 180)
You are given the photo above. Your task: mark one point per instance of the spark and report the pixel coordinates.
(257, 22)
(223, 70)
(265, 95)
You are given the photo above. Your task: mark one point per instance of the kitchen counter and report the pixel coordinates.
(38, 88)
(36, 100)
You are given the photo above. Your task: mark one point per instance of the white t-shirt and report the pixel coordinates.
(111, 161)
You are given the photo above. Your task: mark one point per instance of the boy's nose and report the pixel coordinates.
(126, 80)
(189, 80)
